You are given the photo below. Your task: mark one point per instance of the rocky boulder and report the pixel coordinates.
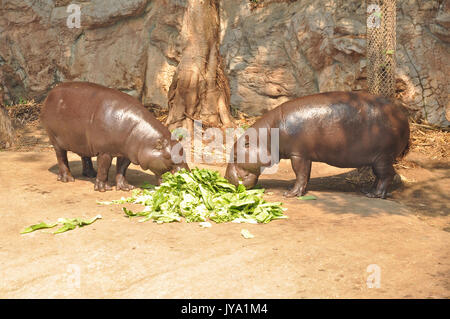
(273, 51)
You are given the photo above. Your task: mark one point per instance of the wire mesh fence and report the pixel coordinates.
(381, 46)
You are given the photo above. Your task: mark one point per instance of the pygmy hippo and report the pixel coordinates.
(343, 129)
(92, 120)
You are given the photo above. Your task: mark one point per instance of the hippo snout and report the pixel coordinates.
(231, 174)
(235, 174)
(179, 167)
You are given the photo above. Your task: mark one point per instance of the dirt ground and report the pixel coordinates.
(328, 248)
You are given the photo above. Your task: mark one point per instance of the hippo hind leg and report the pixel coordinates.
(302, 170)
(103, 165)
(384, 172)
(88, 168)
(121, 183)
(64, 174)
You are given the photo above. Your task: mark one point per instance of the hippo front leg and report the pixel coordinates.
(121, 183)
(302, 170)
(103, 165)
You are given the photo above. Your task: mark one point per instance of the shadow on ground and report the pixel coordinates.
(134, 177)
(339, 194)
(427, 197)
(345, 182)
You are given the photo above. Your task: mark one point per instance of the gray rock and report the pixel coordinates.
(272, 53)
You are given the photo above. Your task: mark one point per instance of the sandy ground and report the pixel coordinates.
(328, 248)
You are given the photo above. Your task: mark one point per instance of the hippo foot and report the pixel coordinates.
(102, 186)
(376, 195)
(90, 173)
(124, 186)
(66, 177)
(293, 193)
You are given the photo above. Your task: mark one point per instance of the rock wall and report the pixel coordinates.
(284, 50)
(273, 52)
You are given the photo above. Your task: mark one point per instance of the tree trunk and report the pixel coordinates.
(6, 129)
(199, 88)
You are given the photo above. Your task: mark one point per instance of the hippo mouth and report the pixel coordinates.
(237, 175)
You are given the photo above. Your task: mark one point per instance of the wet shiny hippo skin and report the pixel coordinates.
(92, 120)
(343, 129)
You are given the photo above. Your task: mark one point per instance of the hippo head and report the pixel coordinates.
(236, 173)
(158, 158)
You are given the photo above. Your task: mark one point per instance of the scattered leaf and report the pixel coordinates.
(307, 197)
(36, 227)
(67, 224)
(64, 228)
(246, 234)
(205, 224)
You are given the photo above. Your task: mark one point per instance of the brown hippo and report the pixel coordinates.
(343, 129)
(92, 120)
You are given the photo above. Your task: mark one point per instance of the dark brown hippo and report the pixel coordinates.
(92, 120)
(343, 129)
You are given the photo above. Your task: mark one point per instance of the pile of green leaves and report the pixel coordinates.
(199, 195)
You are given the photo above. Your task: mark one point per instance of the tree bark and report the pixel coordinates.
(6, 129)
(199, 88)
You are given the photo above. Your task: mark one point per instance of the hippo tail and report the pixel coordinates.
(405, 150)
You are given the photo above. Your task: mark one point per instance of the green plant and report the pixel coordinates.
(199, 195)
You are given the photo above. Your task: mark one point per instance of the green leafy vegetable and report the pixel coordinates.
(72, 223)
(200, 195)
(308, 197)
(246, 234)
(65, 227)
(67, 224)
(147, 185)
(205, 224)
(36, 227)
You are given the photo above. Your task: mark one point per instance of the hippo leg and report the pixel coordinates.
(103, 165)
(384, 172)
(88, 168)
(121, 183)
(64, 174)
(302, 169)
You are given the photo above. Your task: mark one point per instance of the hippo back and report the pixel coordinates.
(344, 129)
(89, 119)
